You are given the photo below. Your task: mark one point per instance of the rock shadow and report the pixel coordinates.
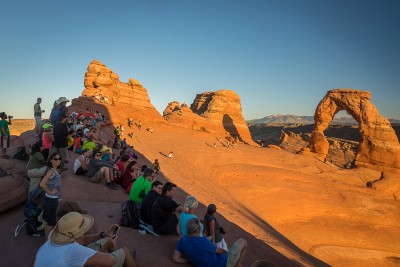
(230, 127)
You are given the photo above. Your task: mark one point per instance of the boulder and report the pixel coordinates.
(13, 191)
(215, 112)
(379, 145)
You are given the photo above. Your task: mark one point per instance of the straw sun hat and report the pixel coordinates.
(71, 226)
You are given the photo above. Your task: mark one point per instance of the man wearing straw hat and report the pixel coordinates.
(68, 246)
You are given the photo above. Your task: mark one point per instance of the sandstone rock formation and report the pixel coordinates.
(13, 191)
(105, 92)
(215, 112)
(379, 145)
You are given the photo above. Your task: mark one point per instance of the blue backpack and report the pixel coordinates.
(54, 115)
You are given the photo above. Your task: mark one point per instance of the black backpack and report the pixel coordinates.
(21, 153)
(33, 221)
(130, 215)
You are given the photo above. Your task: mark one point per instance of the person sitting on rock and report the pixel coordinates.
(148, 200)
(121, 164)
(68, 246)
(202, 252)
(36, 167)
(212, 228)
(163, 217)
(129, 175)
(141, 187)
(89, 144)
(170, 154)
(189, 208)
(99, 169)
(47, 140)
(81, 163)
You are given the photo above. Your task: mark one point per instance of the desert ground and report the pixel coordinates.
(293, 209)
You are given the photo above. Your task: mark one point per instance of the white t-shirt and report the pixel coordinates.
(73, 254)
(77, 163)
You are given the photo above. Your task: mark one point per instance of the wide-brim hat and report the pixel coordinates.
(62, 99)
(71, 226)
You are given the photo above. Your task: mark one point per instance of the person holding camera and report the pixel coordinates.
(5, 134)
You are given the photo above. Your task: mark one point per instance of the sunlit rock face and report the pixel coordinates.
(121, 99)
(215, 112)
(379, 145)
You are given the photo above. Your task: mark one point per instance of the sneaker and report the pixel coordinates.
(109, 185)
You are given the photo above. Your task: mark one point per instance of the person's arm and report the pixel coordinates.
(49, 136)
(44, 181)
(101, 259)
(220, 251)
(40, 158)
(178, 257)
(179, 209)
(211, 225)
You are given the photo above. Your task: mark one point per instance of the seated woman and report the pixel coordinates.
(36, 169)
(81, 163)
(189, 208)
(212, 228)
(129, 175)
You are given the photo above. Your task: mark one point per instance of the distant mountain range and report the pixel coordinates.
(294, 119)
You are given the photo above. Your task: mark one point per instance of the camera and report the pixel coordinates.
(10, 117)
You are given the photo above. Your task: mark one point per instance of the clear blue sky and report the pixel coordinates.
(279, 56)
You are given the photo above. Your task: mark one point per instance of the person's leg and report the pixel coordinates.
(50, 214)
(236, 253)
(64, 156)
(129, 261)
(107, 172)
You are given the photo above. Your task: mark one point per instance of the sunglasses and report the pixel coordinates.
(56, 158)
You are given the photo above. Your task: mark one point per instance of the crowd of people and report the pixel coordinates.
(115, 162)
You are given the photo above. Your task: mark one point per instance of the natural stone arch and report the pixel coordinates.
(379, 145)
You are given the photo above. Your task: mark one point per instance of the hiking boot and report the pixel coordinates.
(109, 185)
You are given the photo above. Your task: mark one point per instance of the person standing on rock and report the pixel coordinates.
(37, 113)
(170, 154)
(4, 134)
(60, 133)
(51, 185)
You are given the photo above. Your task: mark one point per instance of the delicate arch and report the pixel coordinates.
(378, 145)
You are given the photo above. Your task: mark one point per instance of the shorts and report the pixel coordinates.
(38, 120)
(234, 252)
(50, 210)
(119, 254)
(98, 176)
(5, 141)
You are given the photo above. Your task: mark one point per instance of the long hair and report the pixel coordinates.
(49, 164)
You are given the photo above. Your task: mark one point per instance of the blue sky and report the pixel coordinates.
(279, 56)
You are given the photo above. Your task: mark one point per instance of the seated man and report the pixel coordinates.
(67, 246)
(163, 216)
(141, 186)
(148, 200)
(99, 169)
(202, 252)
